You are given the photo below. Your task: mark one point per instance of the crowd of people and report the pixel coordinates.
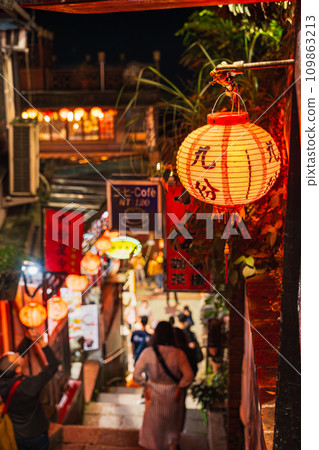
(153, 278)
(166, 356)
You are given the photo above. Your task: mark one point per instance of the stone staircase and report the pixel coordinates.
(120, 411)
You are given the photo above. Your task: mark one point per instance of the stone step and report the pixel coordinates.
(118, 398)
(114, 408)
(125, 390)
(79, 435)
(113, 421)
(93, 446)
(194, 441)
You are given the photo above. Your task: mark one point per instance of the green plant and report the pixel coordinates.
(10, 259)
(212, 390)
(218, 307)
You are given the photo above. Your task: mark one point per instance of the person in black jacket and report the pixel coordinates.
(29, 422)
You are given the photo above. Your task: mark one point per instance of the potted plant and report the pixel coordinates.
(10, 264)
(211, 393)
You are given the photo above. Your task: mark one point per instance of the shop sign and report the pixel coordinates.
(132, 205)
(90, 327)
(180, 275)
(63, 238)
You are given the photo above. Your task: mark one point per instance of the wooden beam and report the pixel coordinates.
(109, 6)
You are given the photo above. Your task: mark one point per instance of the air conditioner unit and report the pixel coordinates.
(24, 165)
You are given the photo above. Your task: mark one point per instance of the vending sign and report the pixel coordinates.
(133, 205)
(180, 274)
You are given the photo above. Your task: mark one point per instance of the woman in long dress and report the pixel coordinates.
(164, 390)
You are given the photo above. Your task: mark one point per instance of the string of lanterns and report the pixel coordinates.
(34, 314)
(67, 114)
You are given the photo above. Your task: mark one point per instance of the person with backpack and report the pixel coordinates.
(165, 373)
(140, 339)
(183, 324)
(21, 393)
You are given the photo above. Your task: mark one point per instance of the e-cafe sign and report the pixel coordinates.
(133, 204)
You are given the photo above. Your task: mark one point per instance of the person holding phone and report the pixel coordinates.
(25, 410)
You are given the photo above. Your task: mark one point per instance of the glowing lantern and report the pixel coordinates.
(70, 116)
(124, 247)
(32, 113)
(161, 243)
(77, 283)
(229, 162)
(79, 113)
(90, 262)
(97, 112)
(111, 234)
(103, 244)
(63, 113)
(107, 234)
(25, 115)
(32, 315)
(57, 308)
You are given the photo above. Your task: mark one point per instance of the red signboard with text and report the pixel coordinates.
(180, 275)
(63, 240)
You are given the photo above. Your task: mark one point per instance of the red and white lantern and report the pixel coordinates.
(229, 162)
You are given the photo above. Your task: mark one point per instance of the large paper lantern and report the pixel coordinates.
(103, 244)
(90, 262)
(57, 308)
(77, 283)
(32, 315)
(229, 162)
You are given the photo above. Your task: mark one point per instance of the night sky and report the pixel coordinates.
(136, 34)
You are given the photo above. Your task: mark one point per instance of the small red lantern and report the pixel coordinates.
(103, 244)
(90, 262)
(229, 162)
(32, 315)
(77, 283)
(57, 308)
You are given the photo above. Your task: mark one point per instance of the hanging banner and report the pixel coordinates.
(132, 205)
(180, 275)
(63, 240)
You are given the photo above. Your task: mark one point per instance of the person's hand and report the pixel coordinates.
(36, 336)
(178, 394)
(147, 394)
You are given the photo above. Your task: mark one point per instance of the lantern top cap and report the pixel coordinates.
(227, 118)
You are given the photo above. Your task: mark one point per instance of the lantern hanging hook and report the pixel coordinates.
(226, 79)
(235, 95)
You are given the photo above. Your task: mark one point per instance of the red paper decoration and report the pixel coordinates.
(57, 308)
(229, 162)
(32, 315)
(77, 283)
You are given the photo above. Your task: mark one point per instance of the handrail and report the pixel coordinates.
(113, 355)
